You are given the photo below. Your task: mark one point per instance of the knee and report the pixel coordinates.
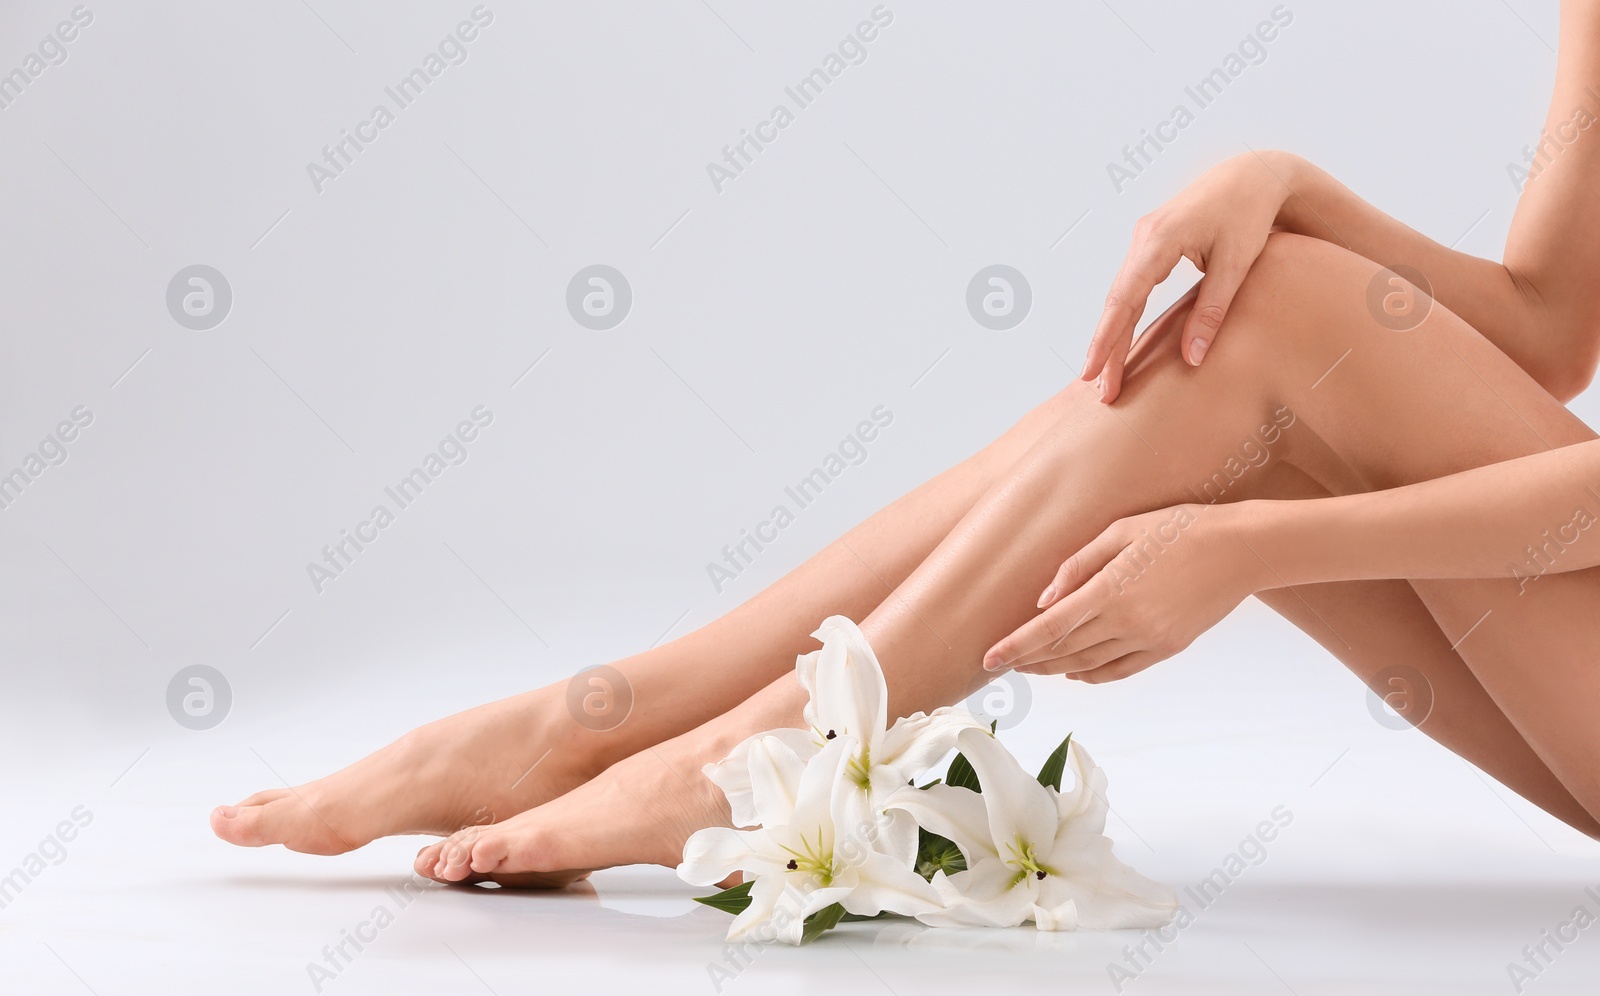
(1289, 279)
(1294, 281)
(1303, 303)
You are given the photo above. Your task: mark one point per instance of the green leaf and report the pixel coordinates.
(961, 774)
(931, 784)
(734, 900)
(936, 853)
(1055, 765)
(824, 919)
(856, 917)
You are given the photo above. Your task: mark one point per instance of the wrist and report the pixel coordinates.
(1295, 176)
(1246, 529)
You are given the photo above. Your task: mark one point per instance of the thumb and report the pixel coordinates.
(1217, 289)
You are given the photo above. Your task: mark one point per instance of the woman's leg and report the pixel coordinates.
(1374, 409)
(1387, 624)
(499, 759)
(1373, 626)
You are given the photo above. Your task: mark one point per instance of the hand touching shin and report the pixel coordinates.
(1140, 592)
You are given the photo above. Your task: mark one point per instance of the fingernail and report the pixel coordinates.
(1046, 595)
(1100, 386)
(994, 665)
(1197, 351)
(227, 812)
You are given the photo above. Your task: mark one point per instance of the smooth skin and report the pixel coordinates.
(1537, 305)
(1399, 409)
(943, 577)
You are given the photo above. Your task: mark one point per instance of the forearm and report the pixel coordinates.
(1551, 247)
(1517, 519)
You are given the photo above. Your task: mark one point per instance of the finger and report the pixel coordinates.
(1222, 280)
(1080, 661)
(1079, 639)
(1077, 569)
(1111, 377)
(1050, 627)
(1149, 262)
(1125, 302)
(1046, 629)
(1120, 668)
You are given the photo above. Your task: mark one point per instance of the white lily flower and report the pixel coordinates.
(849, 698)
(1033, 853)
(815, 846)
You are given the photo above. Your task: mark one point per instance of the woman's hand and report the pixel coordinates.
(1220, 223)
(1137, 594)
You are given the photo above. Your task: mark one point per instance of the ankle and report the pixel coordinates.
(592, 727)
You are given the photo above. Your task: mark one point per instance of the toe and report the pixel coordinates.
(286, 820)
(455, 858)
(250, 825)
(489, 851)
(264, 797)
(427, 860)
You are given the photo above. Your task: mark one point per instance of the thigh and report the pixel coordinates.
(1377, 408)
(1342, 404)
(1376, 627)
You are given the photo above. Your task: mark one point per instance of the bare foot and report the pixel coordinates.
(473, 768)
(639, 811)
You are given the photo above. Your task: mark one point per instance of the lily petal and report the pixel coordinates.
(884, 883)
(845, 682)
(1084, 806)
(915, 742)
(1020, 809)
(982, 896)
(822, 781)
(712, 854)
(1062, 917)
(764, 897)
(1108, 894)
(775, 771)
(958, 814)
(792, 929)
(897, 835)
(732, 774)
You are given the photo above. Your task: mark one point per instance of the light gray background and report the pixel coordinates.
(768, 319)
